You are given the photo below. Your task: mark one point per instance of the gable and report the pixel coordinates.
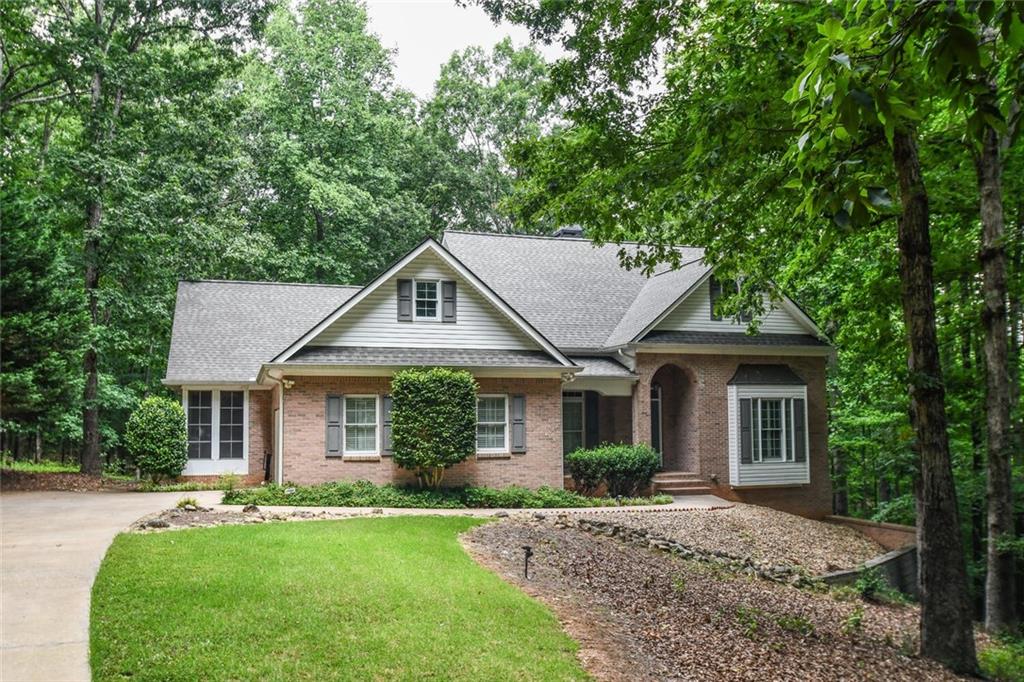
(373, 322)
(694, 314)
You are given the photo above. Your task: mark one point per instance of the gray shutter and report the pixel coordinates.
(385, 424)
(405, 300)
(592, 432)
(518, 418)
(448, 301)
(800, 429)
(715, 289)
(333, 439)
(746, 432)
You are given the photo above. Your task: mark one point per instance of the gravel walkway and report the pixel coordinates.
(759, 533)
(641, 615)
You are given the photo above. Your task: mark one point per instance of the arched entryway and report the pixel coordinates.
(673, 418)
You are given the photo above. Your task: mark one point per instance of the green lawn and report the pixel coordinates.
(361, 599)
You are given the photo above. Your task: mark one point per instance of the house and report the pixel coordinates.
(290, 382)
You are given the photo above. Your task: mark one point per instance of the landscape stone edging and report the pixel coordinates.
(781, 573)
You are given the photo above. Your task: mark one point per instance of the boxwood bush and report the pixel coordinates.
(157, 438)
(433, 420)
(625, 469)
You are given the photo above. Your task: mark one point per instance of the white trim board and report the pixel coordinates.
(429, 244)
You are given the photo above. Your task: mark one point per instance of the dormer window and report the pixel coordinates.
(729, 287)
(426, 304)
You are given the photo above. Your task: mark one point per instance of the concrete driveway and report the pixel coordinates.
(51, 545)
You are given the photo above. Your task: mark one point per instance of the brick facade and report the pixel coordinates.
(709, 375)
(305, 461)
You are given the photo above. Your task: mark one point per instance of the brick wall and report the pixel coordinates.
(304, 433)
(711, 374)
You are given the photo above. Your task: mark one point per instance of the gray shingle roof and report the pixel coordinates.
(417, 357)
(601, 366)
(765, 375)
(573, 292)
(734, 339)
(224, 331)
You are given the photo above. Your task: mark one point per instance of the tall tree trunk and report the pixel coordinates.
(90, 408)
(91, 244)
(946, 629)
(1000, 605)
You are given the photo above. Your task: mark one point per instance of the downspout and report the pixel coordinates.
(279, 431)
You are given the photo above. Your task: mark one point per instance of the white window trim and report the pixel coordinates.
(505, 448)
(216, 465)
(788, 449)
(438, 299)
(786, 472)
(578, 398)
(345, 452)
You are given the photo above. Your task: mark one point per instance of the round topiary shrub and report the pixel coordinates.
(433, 420)
(626, 469)
(157, 438)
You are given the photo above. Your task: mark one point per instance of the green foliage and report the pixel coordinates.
(157, 438)
(433, 420)
(187, 502)
(40, 467)
(798, 624)
(1003, 659)
(747, 617)
(854, 622)
(366, 494)
(626, 469)
(872, 586)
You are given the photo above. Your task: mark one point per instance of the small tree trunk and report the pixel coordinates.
(946, 628)
(841, 498)
(39, 444)
(1000, 604)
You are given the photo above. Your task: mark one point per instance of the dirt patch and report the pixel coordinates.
(640, 614)
(23, 480)
(763, 535)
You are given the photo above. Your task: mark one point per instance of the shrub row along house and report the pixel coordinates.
(290, 382)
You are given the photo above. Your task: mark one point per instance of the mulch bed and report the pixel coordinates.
(643, 615)
(23, 480)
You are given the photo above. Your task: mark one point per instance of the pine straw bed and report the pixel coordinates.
(644, 615)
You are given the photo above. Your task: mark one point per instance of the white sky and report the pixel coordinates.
(426, 32)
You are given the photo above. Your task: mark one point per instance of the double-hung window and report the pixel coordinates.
(777, 432)
(426, 303)
(360, 414)
(232, 420)
(492, 423)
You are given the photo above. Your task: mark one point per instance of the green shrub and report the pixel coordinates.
(1003, 660)
(626, 469)
(366, 494)
(157, 438)
(433, 420)
(587, 468)
(186, 501)
(872, 586)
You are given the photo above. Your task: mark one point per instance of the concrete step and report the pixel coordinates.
(676, 492)
(676, 476)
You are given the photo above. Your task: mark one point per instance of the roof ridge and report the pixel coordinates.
(557, 239)
(288, 284)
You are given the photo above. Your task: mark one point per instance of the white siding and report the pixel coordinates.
(374, 320)
(694, 314)
(764, 473)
